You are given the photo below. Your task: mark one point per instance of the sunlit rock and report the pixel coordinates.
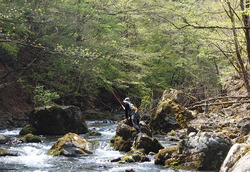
(30, 138)
(70, 145)
(169, 116)
(237, 159)
(178, 97)
(132, 156)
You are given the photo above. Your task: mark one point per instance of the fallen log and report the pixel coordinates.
(219, 103)
(216, 98)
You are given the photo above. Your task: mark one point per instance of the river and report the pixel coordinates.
(33, 156)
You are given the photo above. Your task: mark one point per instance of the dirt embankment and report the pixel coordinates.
(14, 102)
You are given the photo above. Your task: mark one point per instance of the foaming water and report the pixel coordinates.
(33, 156)
(13, 132)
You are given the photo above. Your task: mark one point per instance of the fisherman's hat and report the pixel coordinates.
(126, 100)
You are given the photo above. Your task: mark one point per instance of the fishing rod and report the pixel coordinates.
(116, 97)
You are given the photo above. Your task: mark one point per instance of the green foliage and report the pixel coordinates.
(135, 46)
(44, 96)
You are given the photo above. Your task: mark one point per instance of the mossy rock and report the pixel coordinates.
(93, 133)
(4, 152)
(169, 116)
(201, 151)
(121, 144)
(125, 133)
(30, 138)
(28, 129)
(112, 141)
(134, 156)
(164, 154)
(148, 144)
(57, 120)
(70, 145)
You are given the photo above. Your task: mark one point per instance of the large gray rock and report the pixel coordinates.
(57, 120)
(201, 151)
(209, 150)
(237, 159)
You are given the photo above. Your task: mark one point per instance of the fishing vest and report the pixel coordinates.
(133, 107)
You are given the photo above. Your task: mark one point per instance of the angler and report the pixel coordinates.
(132, 114)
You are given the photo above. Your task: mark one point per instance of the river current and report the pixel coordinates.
(32, 157)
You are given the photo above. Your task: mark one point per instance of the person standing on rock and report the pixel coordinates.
(132, 114)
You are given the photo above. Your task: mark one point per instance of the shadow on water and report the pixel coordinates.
(33, 156)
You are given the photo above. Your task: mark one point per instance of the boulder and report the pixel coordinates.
(28, 129)
(237, 159)
(147, 144)
(134, 156)
(30, 138)
(178, 97)
(4, 152)
(57, 120)
(169, 116)
(3, 139)
(201, 151)
(164, 154)
(125, 134)
(70, 144)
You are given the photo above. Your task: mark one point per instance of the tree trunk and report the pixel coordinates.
(238, 54)
(245, 18)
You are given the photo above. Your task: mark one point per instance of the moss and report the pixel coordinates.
(30, 138)
(134, 156)
(72, 138)
(94, 144)
(112, 141)
(127, 158)
(54, 152)
(118, 142)
(3, 152)
(170, 149)
(93, 133)
(85, 127)
(7, 153)
(172, 133)
(28, 129)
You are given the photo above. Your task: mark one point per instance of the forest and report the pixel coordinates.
(140, 48)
